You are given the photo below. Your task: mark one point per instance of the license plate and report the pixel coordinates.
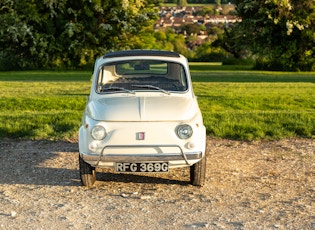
(141, 167)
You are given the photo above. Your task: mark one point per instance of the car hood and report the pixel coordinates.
(164, 108)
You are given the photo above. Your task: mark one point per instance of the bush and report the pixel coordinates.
(7, 62)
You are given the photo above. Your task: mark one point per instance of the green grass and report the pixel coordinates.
(249, 105)
(236, 103)
(42, 104)
(258, 111)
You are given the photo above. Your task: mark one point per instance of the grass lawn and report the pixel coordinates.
(41, 104)
(236, 103)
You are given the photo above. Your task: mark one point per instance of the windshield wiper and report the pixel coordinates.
(118, 89)
(152, 87)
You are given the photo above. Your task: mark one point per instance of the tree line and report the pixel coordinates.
(274, 34)
(180, 2)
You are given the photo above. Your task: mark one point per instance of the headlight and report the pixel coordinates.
(98, 132)
(184, 131)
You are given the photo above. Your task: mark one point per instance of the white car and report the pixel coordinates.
(142, 116)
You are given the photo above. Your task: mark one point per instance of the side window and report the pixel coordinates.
(177, 73)
(106, 74)
(183, 78)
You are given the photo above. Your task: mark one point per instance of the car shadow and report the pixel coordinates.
(55, 163)
(140, 179)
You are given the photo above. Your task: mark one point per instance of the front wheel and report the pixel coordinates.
(198, 172)
(87, 173)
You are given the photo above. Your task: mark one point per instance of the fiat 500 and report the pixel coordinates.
(142, 117)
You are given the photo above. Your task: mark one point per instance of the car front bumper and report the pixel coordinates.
(176, 159)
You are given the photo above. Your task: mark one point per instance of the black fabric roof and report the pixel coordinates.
(124, 53)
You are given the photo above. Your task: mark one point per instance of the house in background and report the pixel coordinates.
(179, 17)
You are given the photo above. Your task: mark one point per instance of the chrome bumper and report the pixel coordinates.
(95, 158)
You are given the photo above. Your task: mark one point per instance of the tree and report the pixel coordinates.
(280, 33)
(69, 33)
(182, 2)
(206, 11)
(193, 28)
(209, 53)
(21, 43)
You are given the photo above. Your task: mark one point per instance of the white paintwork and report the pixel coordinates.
(142, 108)
(155, 113)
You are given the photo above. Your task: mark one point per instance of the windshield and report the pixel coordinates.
(141, 75)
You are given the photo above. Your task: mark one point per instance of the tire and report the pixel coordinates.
(198, 172)
(87, 173)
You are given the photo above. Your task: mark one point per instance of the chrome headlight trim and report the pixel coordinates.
(98, 132)
(184, 131)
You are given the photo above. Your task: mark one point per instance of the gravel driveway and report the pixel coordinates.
(249, 185)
